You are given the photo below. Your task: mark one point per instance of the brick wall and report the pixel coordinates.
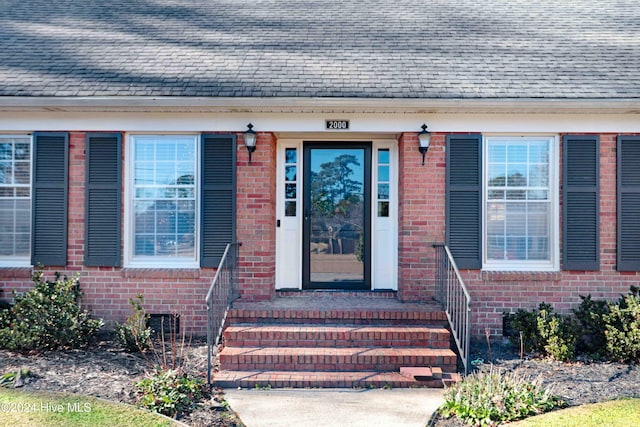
(422, 223)
(498, 292)
(256, 208)
(421, 214)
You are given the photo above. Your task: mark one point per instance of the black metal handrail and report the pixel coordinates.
(452, 293)
(222, 292)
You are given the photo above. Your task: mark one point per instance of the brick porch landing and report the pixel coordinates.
(335, 339)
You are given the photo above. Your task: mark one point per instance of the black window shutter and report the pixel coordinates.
(628, 203)
(581, 202)
(464, 199)
(218, 201)
(103, 200)
(49, 198)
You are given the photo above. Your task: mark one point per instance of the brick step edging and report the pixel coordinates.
(307, 379)
(334, 359)
(287, 335)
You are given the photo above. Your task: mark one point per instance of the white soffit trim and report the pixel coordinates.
(319, 105)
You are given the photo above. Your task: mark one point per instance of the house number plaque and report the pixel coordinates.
(337, 124)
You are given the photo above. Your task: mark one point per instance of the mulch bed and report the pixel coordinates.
(104, 370)
(577, 383)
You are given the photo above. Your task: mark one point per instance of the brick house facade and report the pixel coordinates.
(288, 84)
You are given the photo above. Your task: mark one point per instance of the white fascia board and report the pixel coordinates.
(304, 125)
(319, 105)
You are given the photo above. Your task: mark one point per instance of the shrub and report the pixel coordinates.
(558, 334)
(47, 317)
(622, 328)
(134, 334)
(545, 332)
(491, 398)
(526, 322)
(590, 316)
(170, 392)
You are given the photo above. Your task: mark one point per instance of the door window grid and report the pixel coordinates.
(383, 183)
(15, 196)
(290, 181)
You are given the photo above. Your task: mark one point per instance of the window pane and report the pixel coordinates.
(290, 208)
(383, 209)
(290, 155)
(539, 175)
(383, 191)
(165, 196)
(383, 173)
(290, 191)
(516, 152)
(383, 156)
(497, 153)
(497, 173)
(518, 225)
(539, 152)
(516, 175)
(15, 191)
(495, 195)
(290, 173)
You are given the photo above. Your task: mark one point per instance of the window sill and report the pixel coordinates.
(160, 273)
(15, 272)
(515, 276)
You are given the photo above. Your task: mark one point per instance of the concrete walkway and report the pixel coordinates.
(334, 407)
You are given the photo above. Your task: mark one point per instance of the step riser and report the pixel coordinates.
(340, 383)
(238, 342)
(329, 317)
(334, 337)
(363, 379)
(332, 363)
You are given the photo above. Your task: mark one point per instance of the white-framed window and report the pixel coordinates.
(162, 201)
(521, 203)
(15, 200)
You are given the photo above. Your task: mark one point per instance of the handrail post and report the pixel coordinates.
(455, 299)
(222, 292)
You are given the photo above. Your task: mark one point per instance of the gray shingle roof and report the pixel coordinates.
(574, 49)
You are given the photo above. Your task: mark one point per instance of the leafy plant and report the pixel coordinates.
(134, 334)
(494, 397)
(170, 392)
(169, 389)
(545, 332)
(14, 379)
(590, 316)
(47, 317)
(558, 334)
(526, 322)
(622, 328)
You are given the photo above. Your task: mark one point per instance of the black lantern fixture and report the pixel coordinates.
(424, 138)
(250, 140)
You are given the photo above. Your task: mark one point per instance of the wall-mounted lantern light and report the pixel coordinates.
(250, 140)
(424, 138)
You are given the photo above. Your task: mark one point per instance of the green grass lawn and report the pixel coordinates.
(19, 408)
(615, 413)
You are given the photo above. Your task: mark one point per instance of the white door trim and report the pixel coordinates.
(384, 235)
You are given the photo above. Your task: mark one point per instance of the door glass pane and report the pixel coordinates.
(336, 243)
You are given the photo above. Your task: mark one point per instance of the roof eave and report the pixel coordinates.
(321, 105)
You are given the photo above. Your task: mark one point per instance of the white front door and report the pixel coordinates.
(381, 199)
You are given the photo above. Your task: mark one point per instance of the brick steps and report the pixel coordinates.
(356, 316)
(335, 339)
(315, 379)
(334, 359)
(285, 335)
